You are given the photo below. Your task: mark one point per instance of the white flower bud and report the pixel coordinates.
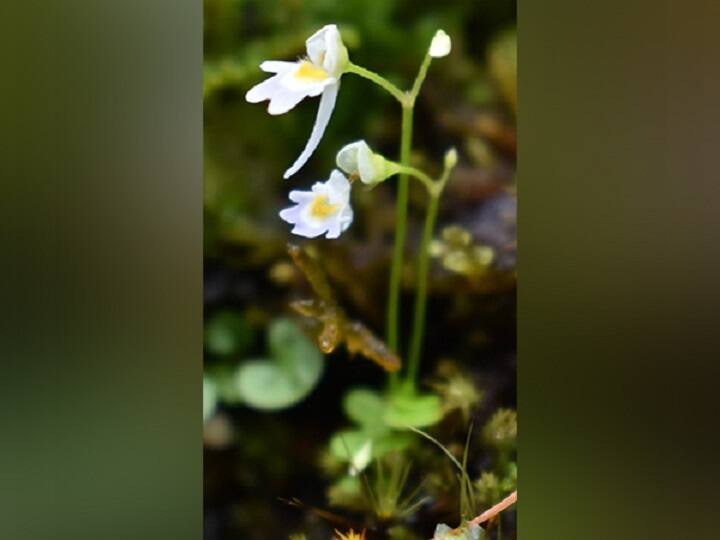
(358, 159)
(451, 158)
(440, 45)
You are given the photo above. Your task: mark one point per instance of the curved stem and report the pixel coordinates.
(418, 324)
(393, 307)
(379, 80)
(419, 175)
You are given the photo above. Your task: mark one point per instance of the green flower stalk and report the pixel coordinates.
(439, 47)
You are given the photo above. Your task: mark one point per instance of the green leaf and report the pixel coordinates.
(389, 442)
(223, 378)
(347, 443)
(228, 333)
(209, 398)
(366, 407)
(416, 410)
(289, 375)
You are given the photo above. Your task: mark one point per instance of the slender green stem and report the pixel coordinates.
(429, 183)
(393, 307)
(379, 80)
(418, 324)
(422, 73)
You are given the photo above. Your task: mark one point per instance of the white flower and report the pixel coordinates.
(440, 45)
(324, 209)
(317, 74)
(358, 158)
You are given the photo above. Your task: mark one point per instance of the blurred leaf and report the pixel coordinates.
(209, 398)
(347, 443)
(223, 378)
(227, 333)
(415, 410)
(366, 407)
(290, 374)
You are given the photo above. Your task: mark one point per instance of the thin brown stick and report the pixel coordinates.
(495, 510)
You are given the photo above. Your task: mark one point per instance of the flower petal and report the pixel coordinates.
(303, 229)
(264, 90)
(291, 215)
(347, 157)
(316, 44)
(325, 109)
(285, 100)
(277, 66)
(300, 197)
(338, 186)
(326, 49)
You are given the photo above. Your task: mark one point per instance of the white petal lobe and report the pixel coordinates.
(277, 66)
(283, 101)
(264, 90)
(325, 109)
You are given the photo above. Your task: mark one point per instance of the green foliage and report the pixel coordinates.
(414, 410)
(346, 444)
(289, 373)
(501, 429)
(228, 333)
(467, 493)
(210, 398)
(366, 408)
(381, 491)
(292, 371)
(490, 489)
(387, 489)
(457, 390)
(381, 419)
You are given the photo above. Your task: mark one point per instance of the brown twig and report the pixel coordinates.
(495, 510)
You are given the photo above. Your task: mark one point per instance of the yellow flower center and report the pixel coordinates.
(320, 208)
(309, 72)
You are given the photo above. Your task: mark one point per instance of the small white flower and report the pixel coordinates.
(319, 73)
(440, 45)
(325, 209)
(357, 158)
